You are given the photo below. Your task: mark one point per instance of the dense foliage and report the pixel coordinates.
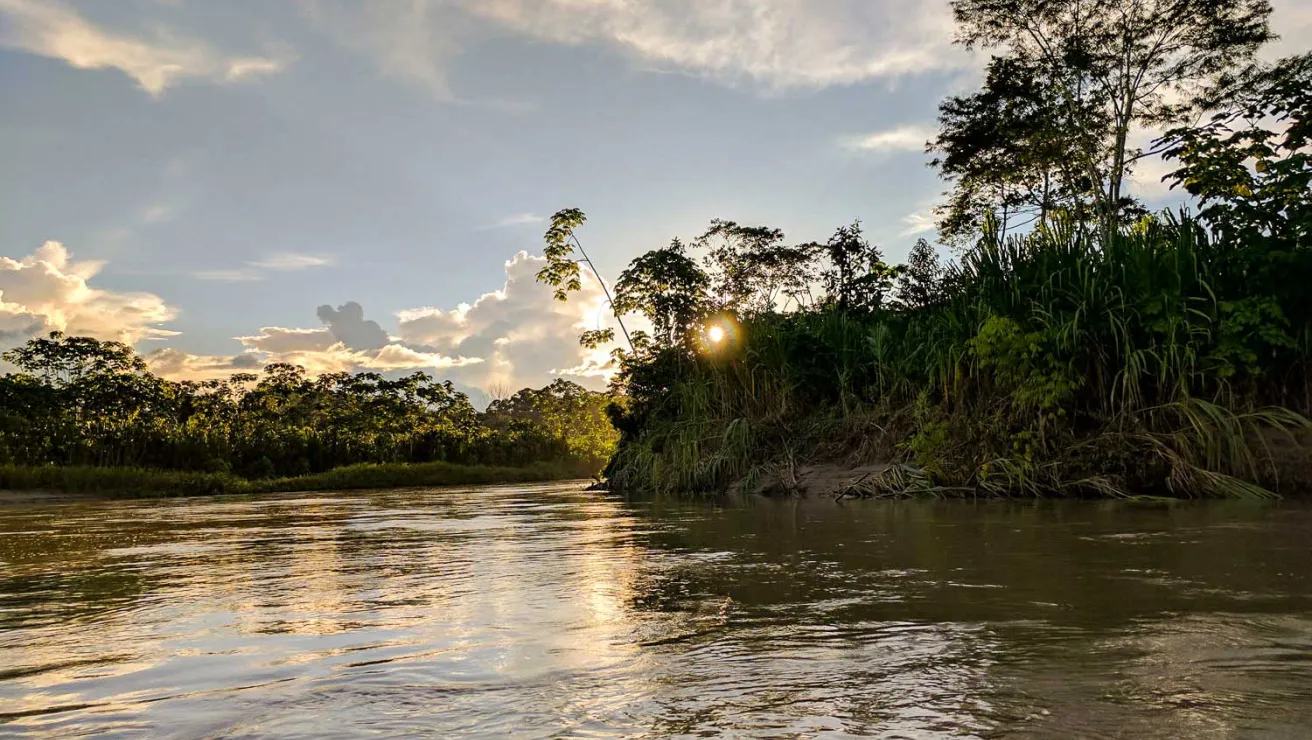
(79, 401)
(1052, 129)
(1086, 356)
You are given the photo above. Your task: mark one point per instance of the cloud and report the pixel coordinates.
(157, 213)
(524, 336)
(347, 324)
(513, 337)
(900, 139)
(174, 364)
(287, 261)
(781, 44)
(346, 343)
(919, 222)
(519, 219)
(47, 291)
(274, 340)
(776, 44)
(255, 270)
(228, 276)
(52, 29)
(409, 40)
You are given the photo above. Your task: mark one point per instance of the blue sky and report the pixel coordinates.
(218, 172)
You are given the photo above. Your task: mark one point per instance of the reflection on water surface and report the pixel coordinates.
(544, 611)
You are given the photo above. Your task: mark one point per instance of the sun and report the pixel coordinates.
(715, 334)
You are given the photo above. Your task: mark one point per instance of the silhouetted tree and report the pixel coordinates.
(856, 277)
(1097, 70)
(919, 284)
(667, 287)
(562, 270)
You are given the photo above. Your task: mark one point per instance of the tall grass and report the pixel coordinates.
(1063, 362)
(152, 483)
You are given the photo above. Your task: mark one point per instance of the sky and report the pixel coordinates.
(363, 184)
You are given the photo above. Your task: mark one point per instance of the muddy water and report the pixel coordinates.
(549, 612)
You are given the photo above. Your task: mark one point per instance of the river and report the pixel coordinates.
(546, 611)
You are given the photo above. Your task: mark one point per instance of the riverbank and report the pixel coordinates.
(25, 482)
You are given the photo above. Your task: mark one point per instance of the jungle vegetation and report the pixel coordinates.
(1074, 344)
(78, 405)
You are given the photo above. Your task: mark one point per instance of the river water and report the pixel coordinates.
(545, 611)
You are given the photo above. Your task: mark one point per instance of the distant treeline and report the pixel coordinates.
(78, 401)
(1077, 345)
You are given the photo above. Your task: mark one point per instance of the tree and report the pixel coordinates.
(919, 284)
(1009, 151)
(856, 277)
(568, 412)
(1253, 181)
(562, 270)
(667, 287)
(1250, 167)
(753, 268)
(1108, 68)
(61, 359)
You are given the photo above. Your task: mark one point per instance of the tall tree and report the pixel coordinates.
(1250, 164)
(856, 276)
(562, 270)
(753, 269)
(667, 287)
(1109, 68)
(61, 359)
(1010, 151)
(920, 283)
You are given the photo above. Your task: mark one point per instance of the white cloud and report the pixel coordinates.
(775, 44)
(346, 343)
(52, 29)
(287, 261)
(900, 139)
(523, 335)
(410, 40)
(919, 222)
(519, 219)
(255, 270)
(514, 337)
(780, 44)
(47, 291)
(157, 213)
(228, 276)
(175, 364)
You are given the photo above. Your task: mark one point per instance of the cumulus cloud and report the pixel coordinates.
(900, 139)
(53, 29)
(174, 364)
(348, 342)
(524, 336)
(919, 222)
(347, 324)
(47, 291)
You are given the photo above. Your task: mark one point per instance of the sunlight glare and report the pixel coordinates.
(715, 334)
